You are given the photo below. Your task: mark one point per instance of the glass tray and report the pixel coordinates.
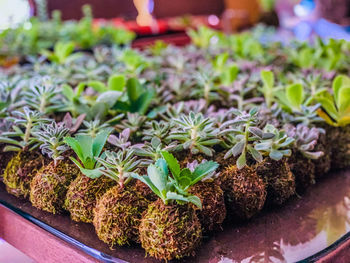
(304, 230)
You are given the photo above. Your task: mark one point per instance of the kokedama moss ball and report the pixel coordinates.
(20, 171)
(279, 180)
(5, 157)
(50, 184)
(170, 231)
(322, 164)
(244, 190)
(303, 170)
(117, 216)
(339, 138)
(83, 194)
(142, 189)
(213, 211)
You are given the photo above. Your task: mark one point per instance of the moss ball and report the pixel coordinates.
(213, 211)
(170, 231)
(339, 139)
(117, 216)
(82, 195)
(303, 170)
(279, 179)
(5, 157)
(322, 164)
(143, 190)
(244, 190)
(20, 171)
(50, 184)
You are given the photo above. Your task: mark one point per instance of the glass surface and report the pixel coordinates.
(316, 222)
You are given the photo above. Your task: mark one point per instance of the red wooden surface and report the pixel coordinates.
(36, 242)
(340, 255)
(179, 39)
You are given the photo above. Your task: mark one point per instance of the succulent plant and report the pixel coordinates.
(305, 139)
(92, 128)
(308, 115)
(195, 133)
(51, 138)
(151, 151)
(122, 141)
(133, 121)
(44, 98)
(156, 129)
(87, 149)
(23, 125)
(268, 87)
(205, 88)
(336, 109)
(276, 147)
(61, 53)
(119, 166)
(240, 134)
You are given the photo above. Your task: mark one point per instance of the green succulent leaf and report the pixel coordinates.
(202, 170)
(295, 95)
(157, 177)
(241, 161)
(172, 162)
(116, 82)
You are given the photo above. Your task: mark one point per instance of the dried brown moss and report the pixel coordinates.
(83, 194)
(303, 170)
(213, 211)
(245, 191)
(50, 184)
(20, 171)
(279, 180)
(339, 139)
(170, 231)
(117, 216)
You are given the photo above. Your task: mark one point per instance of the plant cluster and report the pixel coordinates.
(159, 146)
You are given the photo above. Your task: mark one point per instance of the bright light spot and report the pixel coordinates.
(27, 25)
(13, 12)
(213, 20)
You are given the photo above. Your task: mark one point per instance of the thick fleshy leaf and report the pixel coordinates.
(146, 180)
(134, 89)
(99, 142)
(157, 177)
(92, 173)
(276, 155)
(195, 200)
(295, 95)
(163, 166)
(97, 86)
(142, 103)
(76, 147)
(241, 161)
(116, 82)
(202, 170)
(255, 154)
(173, 164)
(256, 131)
(328, 104)
(267, 78)
(344, 101)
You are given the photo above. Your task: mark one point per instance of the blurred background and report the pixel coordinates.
(302, 18)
